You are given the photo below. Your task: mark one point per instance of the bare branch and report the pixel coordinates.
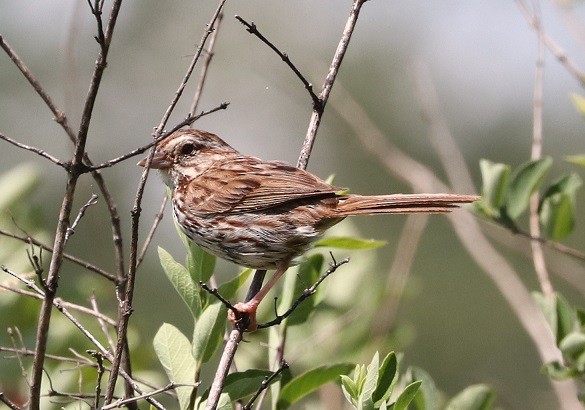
(170, 386)
(306, 293)
(553, 47)
(60, 118)
(536, 153)
(318, 110)
(265, 383)
(65, 212)
(38, 151)
(157, 218)
(251, 28)
(71, 229)
(187, 121)
(6, 400)
(126, 293)
(209, 53)
(87, 265)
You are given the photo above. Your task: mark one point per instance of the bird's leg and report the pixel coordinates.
(250, 307)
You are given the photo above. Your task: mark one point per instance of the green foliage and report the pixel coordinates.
(506, 195)
(371, 387)
(342, 242)
(174, 353)
(568, 326)
(476, 397)
(308, 382)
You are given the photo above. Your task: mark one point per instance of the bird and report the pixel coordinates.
(263, 214)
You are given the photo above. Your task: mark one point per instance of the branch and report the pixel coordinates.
(537, 134)
(209, 53)
(71, 229)
(251, 28)
(265, 383)
(306, 293)
(552, 46)
(60, 118)
(64, 214)
(187, 121)
(170, 386)
(126, 293)
(87, 265)
(38, 151)
(318, 111)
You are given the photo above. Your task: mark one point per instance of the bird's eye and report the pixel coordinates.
(187, 149)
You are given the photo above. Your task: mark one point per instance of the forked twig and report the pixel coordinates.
(265, 383)
(306, 293)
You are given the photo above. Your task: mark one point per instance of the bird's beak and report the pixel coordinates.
(159, 161)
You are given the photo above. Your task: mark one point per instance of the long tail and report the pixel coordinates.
(401, 203)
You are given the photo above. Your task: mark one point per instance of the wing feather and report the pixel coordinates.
(245, 184)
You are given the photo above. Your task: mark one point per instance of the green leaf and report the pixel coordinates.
(406, 396)
(573, 345)
(174, 352)
(179, 277)
(310, 381)
(525, 182)
(476, 397)
(558, 371)
(428, 396)
(308, 273)
(576, 159)
(557, 206)
(228, 289)
(387, 378)
(208, 333)
(557, 216)
(579, 103)
(349, 389)
(243, 384)
(343, 242)
(200, 263)
(565, 317)
(495, 178)
(366, 399)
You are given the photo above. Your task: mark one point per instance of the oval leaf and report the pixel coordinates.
(406, 396)
(476, 397)
(310, 381)
(208, 333)
(343, 242)
(495, 178)
(387, 378)
(576, 159)
(524, 183)
(174, 353)
(179, 277)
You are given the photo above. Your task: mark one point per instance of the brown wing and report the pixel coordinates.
(250, 184)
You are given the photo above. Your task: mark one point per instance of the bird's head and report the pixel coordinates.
(185, 154)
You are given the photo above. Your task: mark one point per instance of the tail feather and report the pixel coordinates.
(400, 203)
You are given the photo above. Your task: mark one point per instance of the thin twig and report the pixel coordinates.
(265, 383)
(65, 212)
(36, 150)
(101, 321)
(536, 153)
(306, 293)
(553, 47)
(318, 110)
(126, 294)
(251, 28)
(80, 262)
(467, 228)
(187, 121)
(8, 402)
(170, 386)
(209, 53)
(157, 218)
(71, 229)
(99, 359)
(60, 118)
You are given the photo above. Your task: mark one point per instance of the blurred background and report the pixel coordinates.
(481, 56)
